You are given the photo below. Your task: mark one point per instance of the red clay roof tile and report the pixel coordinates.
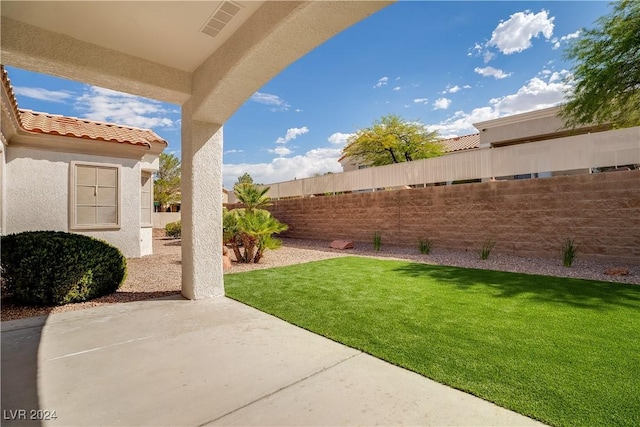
(52, 124)
(87, 129)
(465, 142)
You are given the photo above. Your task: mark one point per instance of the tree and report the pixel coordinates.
(166, 187)
(606, 75)
(245, 178)
(392, 140)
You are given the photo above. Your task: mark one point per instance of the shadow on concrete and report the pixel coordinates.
(574, 292)
(20, 342)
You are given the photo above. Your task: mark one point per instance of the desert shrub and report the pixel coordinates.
(485, 251)
(377, 241)
(173, 229)
(54, 267)
(425, 246)
(569, 252)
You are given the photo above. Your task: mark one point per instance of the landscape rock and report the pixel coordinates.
(341, 244)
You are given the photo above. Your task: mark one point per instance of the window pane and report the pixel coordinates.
(107, 177)
(86, 196)
(107, 196)
(85, 215)
(107, 215)
(86, 175)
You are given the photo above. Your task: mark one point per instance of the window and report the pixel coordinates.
(146, 199)
(95, 196)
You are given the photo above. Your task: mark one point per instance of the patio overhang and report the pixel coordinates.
(207, 56)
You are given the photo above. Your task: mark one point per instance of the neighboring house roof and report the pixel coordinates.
(52, 124)
(459, 143)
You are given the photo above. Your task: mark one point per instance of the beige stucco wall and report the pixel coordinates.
(161, 219)
(530, 217)
(37, 196)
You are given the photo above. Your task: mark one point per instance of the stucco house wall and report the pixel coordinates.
(41, 188)
(38, 195)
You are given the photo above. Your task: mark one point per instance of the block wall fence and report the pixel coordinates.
(529, 217)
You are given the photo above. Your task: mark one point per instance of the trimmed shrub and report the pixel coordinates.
(54, 267)
(173, 230)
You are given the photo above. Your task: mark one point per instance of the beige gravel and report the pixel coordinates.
(160, 274)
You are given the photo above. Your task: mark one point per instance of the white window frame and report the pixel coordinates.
(73, 225)
(148, 174)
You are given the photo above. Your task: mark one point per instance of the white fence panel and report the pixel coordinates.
(611, 148)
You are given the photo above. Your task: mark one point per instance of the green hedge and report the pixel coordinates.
(54, 267)
(173, 229)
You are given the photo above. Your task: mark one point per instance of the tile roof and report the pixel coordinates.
(87, 129)
(459, 143)
(52, 124)
(6, 83)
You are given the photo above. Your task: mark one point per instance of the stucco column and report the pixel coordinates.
(201, 208)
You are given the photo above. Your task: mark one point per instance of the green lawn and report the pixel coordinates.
(564, 351)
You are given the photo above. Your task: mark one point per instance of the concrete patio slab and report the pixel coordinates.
(210, 362)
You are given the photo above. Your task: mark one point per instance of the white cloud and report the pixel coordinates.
(488, 56)
(558, 41)
(454, 89)
(514, 35)
(491, 72)
(43, 94)
(397, 88)
(441, 104)
(233, 151)
(421, 101)
(339, 138)
(110, 106)
(382, 82)
(292, 133)
(278, 103)
(281, 151)
(319, 160)
(545, 90)
(534, 95)
(298, 110)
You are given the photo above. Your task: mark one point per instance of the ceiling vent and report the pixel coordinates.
(221, 17)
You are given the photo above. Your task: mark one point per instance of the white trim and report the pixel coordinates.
(517, 118)
(144, 224)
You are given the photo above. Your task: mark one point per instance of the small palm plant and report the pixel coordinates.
(249, 231)
(252, 196)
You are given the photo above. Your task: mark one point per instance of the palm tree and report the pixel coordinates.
(257, 227)
(251, 230)
(252, 196)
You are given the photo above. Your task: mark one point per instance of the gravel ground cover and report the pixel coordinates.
(160, 274)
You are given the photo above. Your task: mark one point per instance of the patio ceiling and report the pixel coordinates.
(216, 53)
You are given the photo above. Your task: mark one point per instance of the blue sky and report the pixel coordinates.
(446, 64)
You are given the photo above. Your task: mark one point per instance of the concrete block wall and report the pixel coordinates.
(524, 217)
